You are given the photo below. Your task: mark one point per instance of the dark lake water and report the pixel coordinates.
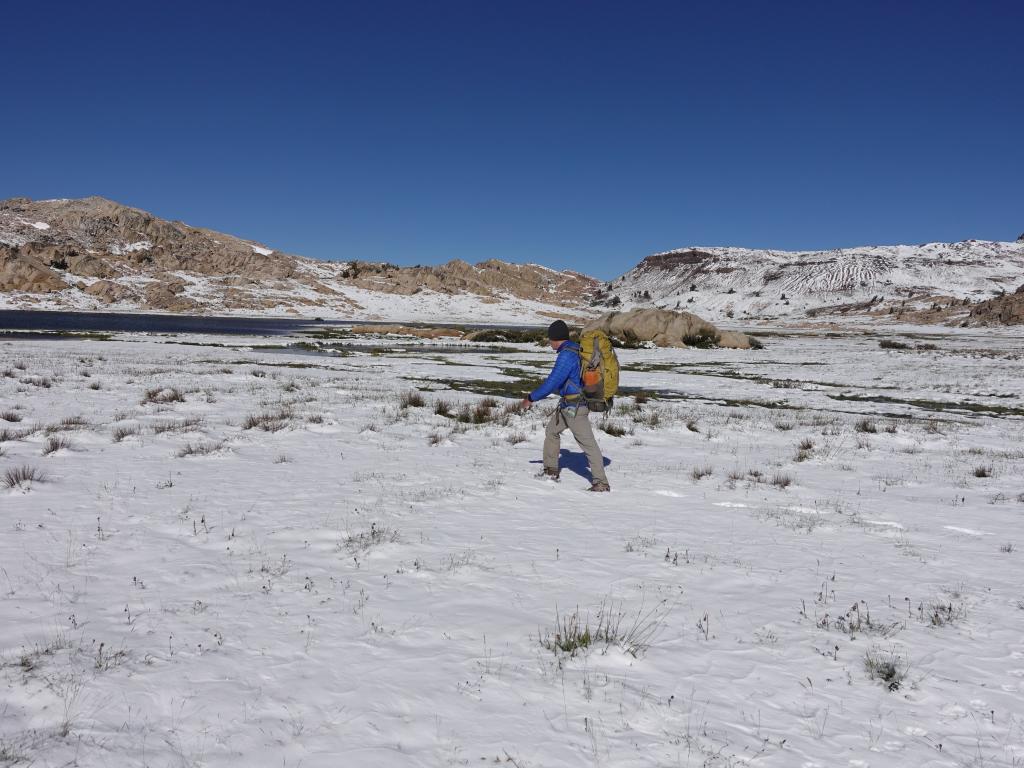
(38, 320)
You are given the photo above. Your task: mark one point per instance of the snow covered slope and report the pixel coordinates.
(874, 280)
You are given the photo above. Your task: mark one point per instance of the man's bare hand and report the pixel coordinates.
(527, 404)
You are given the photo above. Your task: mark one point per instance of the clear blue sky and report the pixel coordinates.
(580, 135)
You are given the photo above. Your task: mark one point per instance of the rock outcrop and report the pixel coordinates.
(1007, 309)
(22, 272)
(668, 328)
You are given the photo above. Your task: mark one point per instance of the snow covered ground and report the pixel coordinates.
(244, 556)
(356, 304)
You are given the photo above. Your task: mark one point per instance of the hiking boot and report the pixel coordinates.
(548, 474)
(599, 486)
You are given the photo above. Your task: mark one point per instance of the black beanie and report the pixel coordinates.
(558, 331)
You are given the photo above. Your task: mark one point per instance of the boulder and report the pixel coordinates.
(669, 328)
(108, 291)
(159, 296)
(21, 272)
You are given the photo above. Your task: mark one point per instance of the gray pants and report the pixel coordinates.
(576, 420)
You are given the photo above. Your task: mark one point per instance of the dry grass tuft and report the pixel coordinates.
(163, 395)
(54, 444)
(699, 473)
(199, 449)
(268, 422)
(67, 424)
(22, 477)
(182, 425)
(412, 398)
(120, 433)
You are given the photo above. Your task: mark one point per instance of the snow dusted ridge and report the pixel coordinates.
(748, 284)
(235, 557)
(97, 254)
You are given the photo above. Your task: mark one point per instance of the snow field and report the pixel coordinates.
(262, 558)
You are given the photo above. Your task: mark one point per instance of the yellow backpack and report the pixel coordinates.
(600, 370)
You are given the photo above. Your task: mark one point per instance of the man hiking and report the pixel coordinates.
(566, 379)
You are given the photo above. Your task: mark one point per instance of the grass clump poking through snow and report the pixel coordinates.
(886, 667)
(574, 633)
(782, 481)
(411, 399)
(67, 424)
(612, 428)
(477, 414)
(199, 449)
(443, 408)
(983, 471)
(120, 433)
(10, 435)
(22, 477)
(866, 425)
(804, 449)
(54, 444)
(12, 416)
(374, 535)
(698, 473)
(163, 395)
(183, 425)
(268, 422)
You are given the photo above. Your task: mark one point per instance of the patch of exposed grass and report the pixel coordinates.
(67, 424)
(120, 433)
(201, 449)
(11, 416)
(22, 477)
(782, 480)
(888, 667)
(181, 425)
(11, 435)
(936, 405)
(374, 535)
(54, 444)
(612, 428)
(163, 395)
(574, 634)
(269, 421)
(412, 398)
(698, 473)
(866, 425)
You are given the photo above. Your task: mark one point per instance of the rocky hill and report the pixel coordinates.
(1006, 309)
(934, 282)
(95, 253)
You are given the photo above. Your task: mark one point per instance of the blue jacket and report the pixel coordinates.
(566, 378)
